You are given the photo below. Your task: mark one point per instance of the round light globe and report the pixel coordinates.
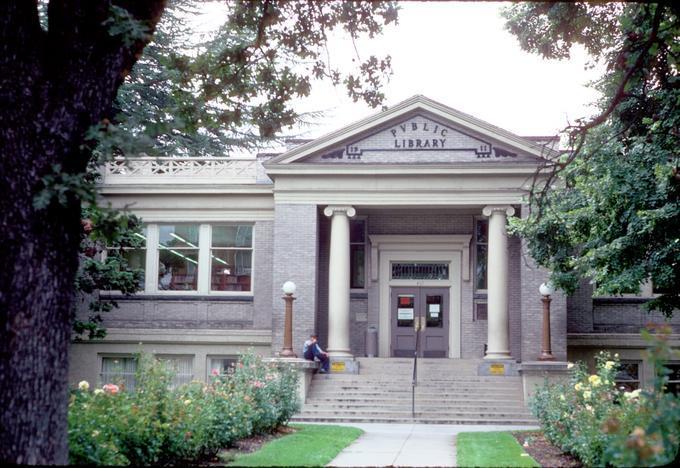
(546, 289)
(288, 287)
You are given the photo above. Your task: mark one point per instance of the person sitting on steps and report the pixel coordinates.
(312, 350)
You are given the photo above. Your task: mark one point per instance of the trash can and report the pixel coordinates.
(372, 341)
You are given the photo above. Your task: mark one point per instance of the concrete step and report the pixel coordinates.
(440, 384)
(387, 378)
(406, 406)
(360, 393)
(510, 402)
(419, 414)
(417, 420)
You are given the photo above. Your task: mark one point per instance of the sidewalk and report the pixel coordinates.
(408, 444)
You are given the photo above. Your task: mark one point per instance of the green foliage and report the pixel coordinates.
(212, 93)
(122, 23)
(490, 449)
(159, 425)
(602, 425)
(309, 445)
(610, 208)
(107, 234)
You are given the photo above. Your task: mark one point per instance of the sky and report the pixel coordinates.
(459, 53)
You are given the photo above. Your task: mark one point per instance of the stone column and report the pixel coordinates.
(338, 281)
(497, 279)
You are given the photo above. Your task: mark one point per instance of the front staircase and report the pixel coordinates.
(449, 391)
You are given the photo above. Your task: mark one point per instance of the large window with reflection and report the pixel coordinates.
(192, 258)
(231, 257)
(178, 247)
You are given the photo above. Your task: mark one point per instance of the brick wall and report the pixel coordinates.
(264, 257)
(580, 309)
(532, 310)
(295, 258)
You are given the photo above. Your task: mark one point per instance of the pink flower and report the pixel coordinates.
(258, 384)
(111, 388)
(215, 372)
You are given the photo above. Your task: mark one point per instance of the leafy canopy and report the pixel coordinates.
(609, 209)
(198, 94)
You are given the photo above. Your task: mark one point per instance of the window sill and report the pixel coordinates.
(179, 297)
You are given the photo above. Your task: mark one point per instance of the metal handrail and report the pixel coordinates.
(414, 382)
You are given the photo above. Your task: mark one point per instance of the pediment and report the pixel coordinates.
(418, 131)
(418, 139)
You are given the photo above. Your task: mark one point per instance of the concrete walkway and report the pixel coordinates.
(408, 444)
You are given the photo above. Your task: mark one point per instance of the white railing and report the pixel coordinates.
(151, 170)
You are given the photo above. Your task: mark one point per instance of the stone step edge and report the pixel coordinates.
(509, 422)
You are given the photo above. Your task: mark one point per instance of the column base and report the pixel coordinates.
(490, 356)
(340, 354)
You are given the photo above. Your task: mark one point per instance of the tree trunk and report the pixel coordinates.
(39, 265)
(54, 85)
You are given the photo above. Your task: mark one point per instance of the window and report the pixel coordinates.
(186, 258)
(182, 368)
(628, 376)
(357, 247)
(120, 371)
(135, 257)
(673, 385)
(221, 364)
(481, 252)
(481, 311)
(231, 258)
(178, 247)
(422, 271)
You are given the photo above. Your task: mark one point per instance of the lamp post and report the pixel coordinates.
(288, 290)
(546, 289)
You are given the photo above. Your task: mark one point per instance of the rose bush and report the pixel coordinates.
(600, 424)
(158, 425)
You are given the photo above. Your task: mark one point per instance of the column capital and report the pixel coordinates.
(506, 209)
(348, 210)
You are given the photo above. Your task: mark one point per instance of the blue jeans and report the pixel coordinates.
(323, 359)
(325, 362)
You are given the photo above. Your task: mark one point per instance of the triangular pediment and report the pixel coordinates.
(418, 131)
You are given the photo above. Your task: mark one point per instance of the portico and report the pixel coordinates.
(419, 208)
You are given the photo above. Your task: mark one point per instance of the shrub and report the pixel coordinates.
(600, 424)
(159, 425)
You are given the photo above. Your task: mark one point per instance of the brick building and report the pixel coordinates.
(393, 223)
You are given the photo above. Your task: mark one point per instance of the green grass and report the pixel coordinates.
(491, 449)
(310, 445)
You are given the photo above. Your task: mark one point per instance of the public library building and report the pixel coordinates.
(393, 230)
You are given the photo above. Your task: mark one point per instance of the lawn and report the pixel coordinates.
(491, 449)
(310, 445)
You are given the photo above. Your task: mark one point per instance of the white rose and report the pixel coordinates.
(84, 385)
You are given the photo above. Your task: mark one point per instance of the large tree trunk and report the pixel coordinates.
(53, 86)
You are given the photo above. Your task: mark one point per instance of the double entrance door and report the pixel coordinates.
(419, 316)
